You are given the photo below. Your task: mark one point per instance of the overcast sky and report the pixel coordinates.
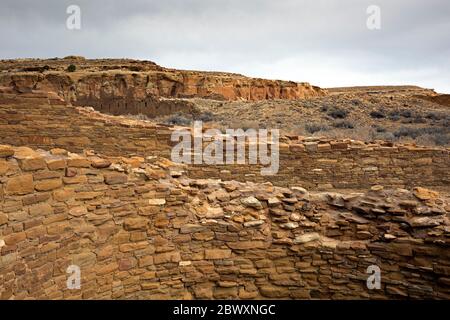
(324, 42)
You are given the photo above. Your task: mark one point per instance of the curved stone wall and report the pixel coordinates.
(140, 229)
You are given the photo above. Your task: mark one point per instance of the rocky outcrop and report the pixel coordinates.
(139, 228)
(104, 82)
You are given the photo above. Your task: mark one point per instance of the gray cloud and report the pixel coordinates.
(325, 42)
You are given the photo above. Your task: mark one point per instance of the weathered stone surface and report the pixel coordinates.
(425, 194)
(6, 151)
(78, 211)
(251, 202)
(115, 178)
(307, 237)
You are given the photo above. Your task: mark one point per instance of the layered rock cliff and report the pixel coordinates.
(137, 80)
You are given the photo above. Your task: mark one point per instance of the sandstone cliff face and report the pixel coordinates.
(128, 79)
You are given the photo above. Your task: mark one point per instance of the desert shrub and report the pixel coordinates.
(394, 115)
(244, 125)
(436, 116)
(205, 117)
(379, 129)
(179, 120)
(71, 68)
(418, 119)
(343, 124)
(406, 113)
(315, 127)
(416, 132)
(377, 114)
(442, 139)
(386, 136)
(337, 113)
(323, 108)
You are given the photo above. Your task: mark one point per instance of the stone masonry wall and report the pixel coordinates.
(139, 228)
(38, 120)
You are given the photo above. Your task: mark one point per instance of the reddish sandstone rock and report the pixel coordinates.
(100, 163)
(425, 194)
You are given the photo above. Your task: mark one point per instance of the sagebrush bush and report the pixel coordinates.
(205, 117)
(377, 114)
(343, 124)
(316, 127)
(71, 68)
(338, 113)
(179, 120)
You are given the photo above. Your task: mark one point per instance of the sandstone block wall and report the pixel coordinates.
(310, 162)
(150, 107)
(140, 229)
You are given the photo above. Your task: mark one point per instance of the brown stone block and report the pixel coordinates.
(35, 198)
(36, 232)
(226, 293)
(14, 238)
(127, 264)
(75, 180)
(167, 257)
(3, 218)
(135, 223)
(56, 164)
(41, 175)
(203, 291)
(20, 185)
(145, 261)
(213, 254)
(32, 164)
(270, 291)
(78, 163)
(63, 194)
(84, 259)
(246, 245)
(78, 211)
(115, 178)
(48, 185)
(100, 163)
